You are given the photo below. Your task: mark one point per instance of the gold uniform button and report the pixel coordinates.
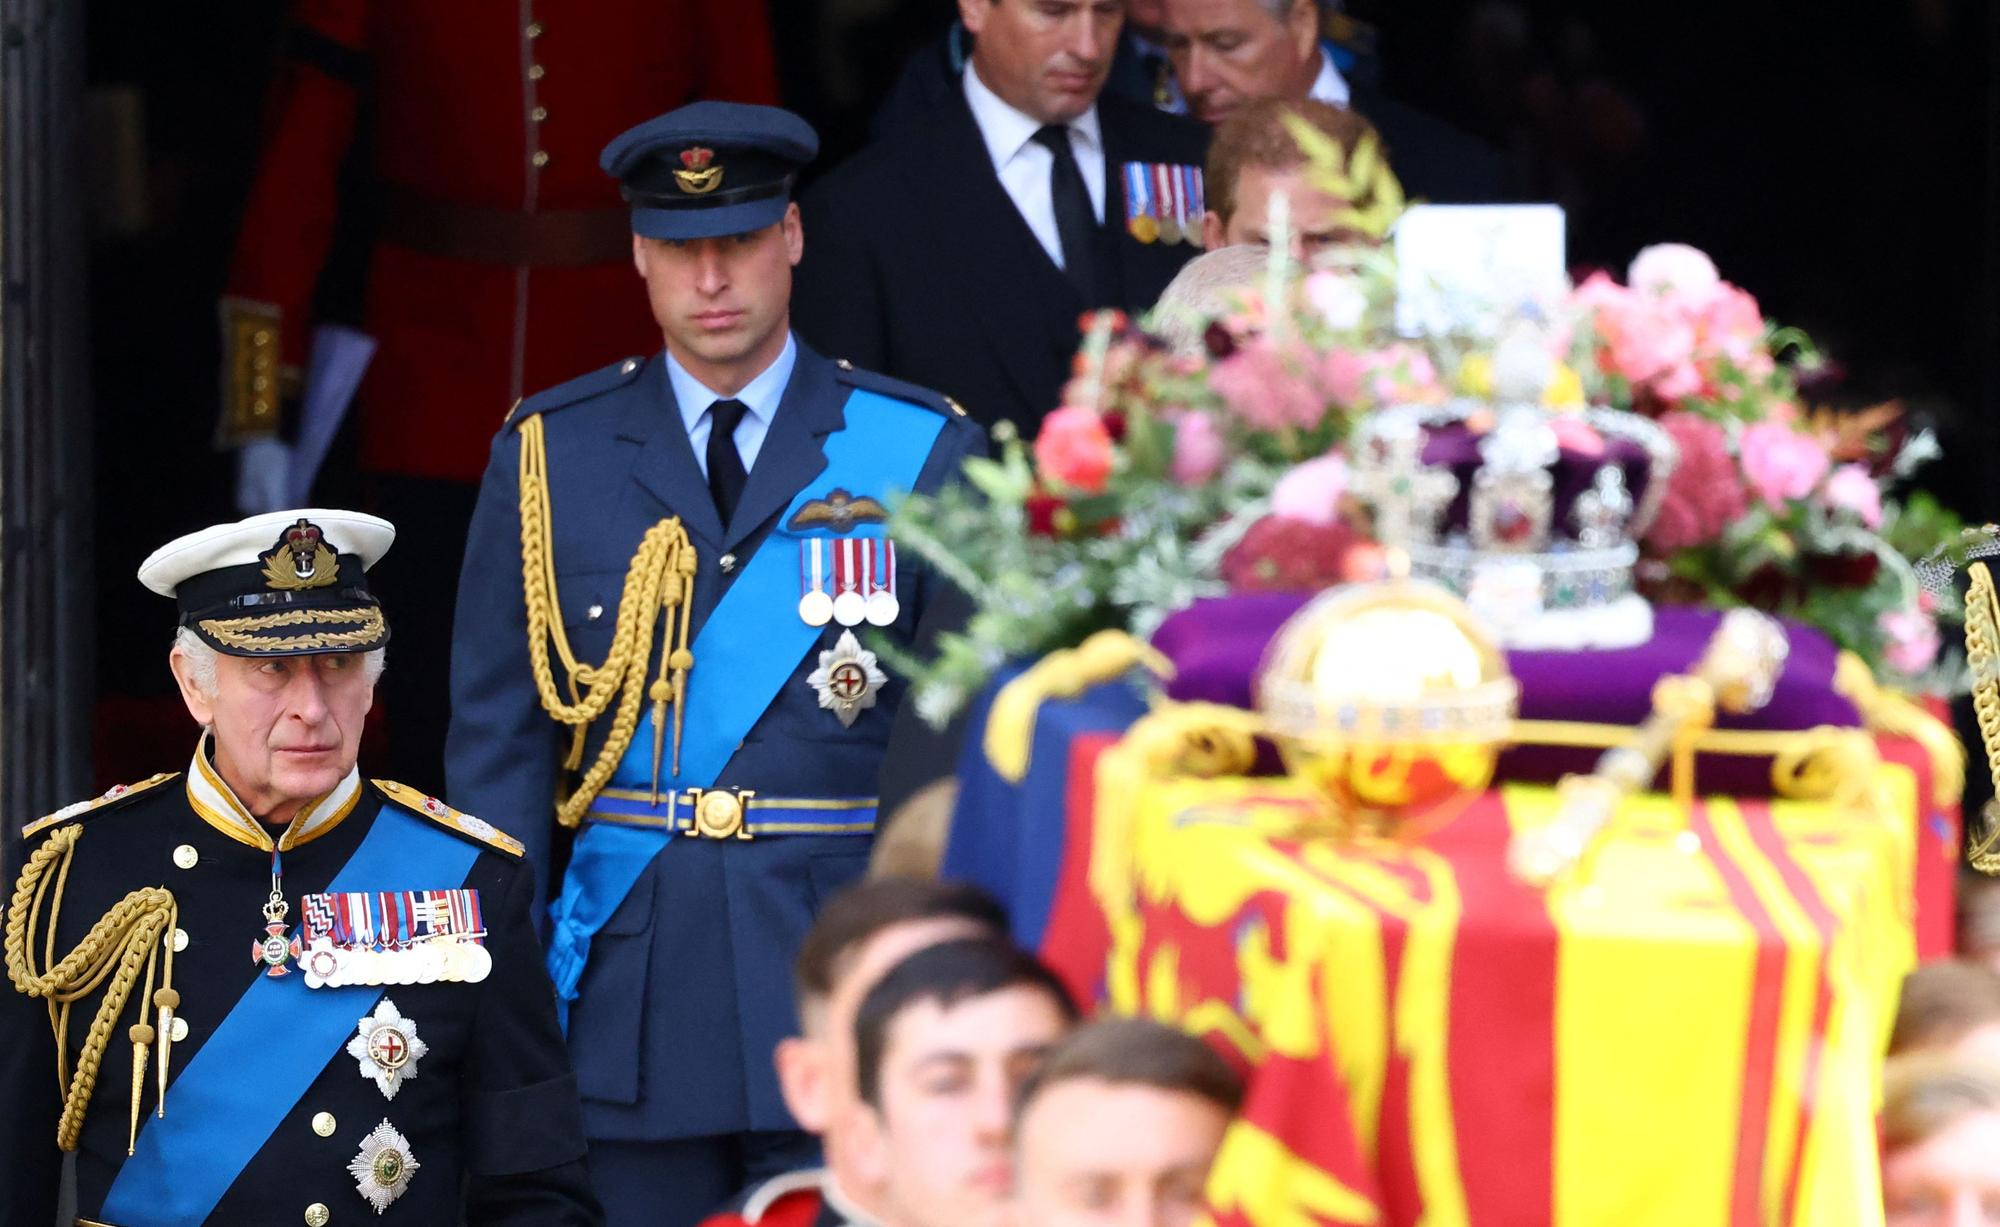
(534, 29)
(536, 72)
(179, 1031)
(186, 857)
(317, 1215)
(324, 1124)
(180, 940)
(541, 157)
(539, 114)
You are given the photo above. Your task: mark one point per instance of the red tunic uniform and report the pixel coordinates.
(502, 264)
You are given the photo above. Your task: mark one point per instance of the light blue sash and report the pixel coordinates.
(269, 1049)
(751, 643)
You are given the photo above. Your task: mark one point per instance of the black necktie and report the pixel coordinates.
(725, 463)
(1076, 221)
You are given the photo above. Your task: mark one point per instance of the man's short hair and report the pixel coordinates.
(1942, 1001)
(1256, 135)
(945, 974)
(864, 909)
(1924, 1095)
(1134, 1052)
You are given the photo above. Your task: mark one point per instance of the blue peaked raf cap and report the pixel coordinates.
(710, 169)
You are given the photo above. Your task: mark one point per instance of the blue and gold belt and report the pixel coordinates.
(733, 813)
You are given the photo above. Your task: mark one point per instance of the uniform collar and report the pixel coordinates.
(760, 396)
(1007, 131)
(1329, 86)
(218, 806)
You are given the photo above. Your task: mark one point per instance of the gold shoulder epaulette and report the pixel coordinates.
(437, 811)
(111, 797)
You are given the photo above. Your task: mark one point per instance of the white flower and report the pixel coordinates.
(1673, 270)
(1337, 298)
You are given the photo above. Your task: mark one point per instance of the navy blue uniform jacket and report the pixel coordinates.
(688, 987)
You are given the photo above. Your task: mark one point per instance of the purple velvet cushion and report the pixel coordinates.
(1216, 644)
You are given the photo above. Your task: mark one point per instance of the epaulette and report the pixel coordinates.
(582, 388)
(112, 797)
(799, 1186)
(444, 815)
(871, 381)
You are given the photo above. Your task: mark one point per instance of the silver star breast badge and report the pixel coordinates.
(383, 1168)
(847, 679)
(387, 1048)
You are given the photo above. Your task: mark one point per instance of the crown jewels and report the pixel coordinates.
(1531, 515)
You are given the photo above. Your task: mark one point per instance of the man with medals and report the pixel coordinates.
(388, 1049)
(677, 569)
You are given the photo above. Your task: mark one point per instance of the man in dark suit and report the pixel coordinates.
(1228, 53)
(676, 670)
(960, 248)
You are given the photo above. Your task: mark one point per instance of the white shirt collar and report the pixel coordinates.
(217, 804)
(760, 396)
(1008, 131)
(1329, 85)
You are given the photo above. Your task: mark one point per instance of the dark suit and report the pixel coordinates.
(489, 1112)
(918, 264)
(687, 987)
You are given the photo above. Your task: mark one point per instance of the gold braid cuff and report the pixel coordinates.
(127, 941)
(661, 577)
(1982, 653)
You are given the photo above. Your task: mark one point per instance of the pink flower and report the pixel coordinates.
(1573, 434)
(1311, 491)
(1705, 493)
(1342, 373)
(1732, 325)
(1781, 464)
(1265, 390)
(1674, 270)
(1910, 640)
(1851, 489)
(1074, 449)
(1198, 448)
(1643, 338)
(1400, 374)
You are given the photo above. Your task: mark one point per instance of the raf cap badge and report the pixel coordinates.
(847, 679)
(383, 1169)
(387, 1048)
(301, 559)
(698, 175)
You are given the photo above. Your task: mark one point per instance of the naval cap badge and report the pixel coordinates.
(698, 175)
(847, 679)
(301, 559)
(387, 1048)
(383, 1168)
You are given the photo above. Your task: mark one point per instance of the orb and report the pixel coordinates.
(1392, 701)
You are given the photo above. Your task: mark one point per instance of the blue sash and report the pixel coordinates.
(753, 640)
(268, 1051)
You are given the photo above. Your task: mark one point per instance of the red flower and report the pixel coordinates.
(1281, 554)
(1043, 510)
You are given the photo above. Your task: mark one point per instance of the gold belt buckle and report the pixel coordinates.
(718, 812)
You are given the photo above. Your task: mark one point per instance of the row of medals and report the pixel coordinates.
(850, 606)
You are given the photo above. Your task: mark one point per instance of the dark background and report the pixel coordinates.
(1842, 170)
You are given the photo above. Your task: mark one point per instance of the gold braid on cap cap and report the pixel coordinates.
(1982, 654)
(661, 577)
(128, 939)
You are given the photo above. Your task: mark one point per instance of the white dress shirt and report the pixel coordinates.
(1329, 85)
(760, 399)
(1023, 165)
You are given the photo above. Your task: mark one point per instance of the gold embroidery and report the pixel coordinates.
(233, 632)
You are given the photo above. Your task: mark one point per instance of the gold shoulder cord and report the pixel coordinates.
(131, 937)
(661, 577)
(1982, 653)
